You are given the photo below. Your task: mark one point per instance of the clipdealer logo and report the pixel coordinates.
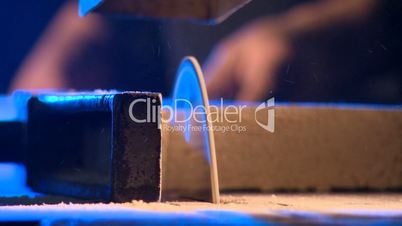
(152, 114)
(269, 106)
(230, 115)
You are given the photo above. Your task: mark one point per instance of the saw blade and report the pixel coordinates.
(191, 99)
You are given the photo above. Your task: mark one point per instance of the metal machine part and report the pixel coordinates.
(87, 145)
(209, 11)
(12, 126)
(11, 141)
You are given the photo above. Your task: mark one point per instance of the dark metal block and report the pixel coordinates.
(12, 127)
(87, 146)
(11, 141)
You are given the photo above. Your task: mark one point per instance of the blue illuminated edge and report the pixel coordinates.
(168, 101)
(85, 6)
(66, 98)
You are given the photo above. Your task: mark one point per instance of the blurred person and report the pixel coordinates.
(244, 65)
(300, 51)
(322, 50)
(93, 52)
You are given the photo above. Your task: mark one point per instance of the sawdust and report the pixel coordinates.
(252, 203)
(256, 203)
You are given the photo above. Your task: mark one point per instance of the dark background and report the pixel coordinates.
(21, 24)
(360, 63)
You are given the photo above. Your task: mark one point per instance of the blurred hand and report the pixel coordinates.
(244, 65)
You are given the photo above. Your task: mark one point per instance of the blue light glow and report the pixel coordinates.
(12, 181)
(85, 6)
(188, 88)
(8, 112)
(72, 98)
(340, 105)
(75, 215)
(356, 106)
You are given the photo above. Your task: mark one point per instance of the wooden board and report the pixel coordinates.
(322, 148)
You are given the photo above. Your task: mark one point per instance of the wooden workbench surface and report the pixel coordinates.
(235, 208)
